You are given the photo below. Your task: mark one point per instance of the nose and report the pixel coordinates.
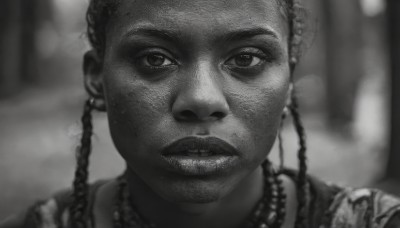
(200, 97)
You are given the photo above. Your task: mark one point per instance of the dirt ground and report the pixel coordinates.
(40, 129)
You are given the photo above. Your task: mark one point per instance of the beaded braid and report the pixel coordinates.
(80, 186)
(97, 17)
(280, 143)
(118, 212)
(296, 23)
(302, 183)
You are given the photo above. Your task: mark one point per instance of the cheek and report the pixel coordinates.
(259, 107)
(134, 111)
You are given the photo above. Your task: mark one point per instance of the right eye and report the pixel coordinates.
(154, 60)
(151, 62)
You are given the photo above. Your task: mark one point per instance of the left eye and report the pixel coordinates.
(245, 60)
(155, 60)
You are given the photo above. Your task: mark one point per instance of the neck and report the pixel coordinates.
(230, 211)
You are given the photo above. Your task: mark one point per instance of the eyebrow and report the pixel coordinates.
(249, 33)
(161, 33)
(174, 36)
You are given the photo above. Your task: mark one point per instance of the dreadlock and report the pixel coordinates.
(98, 15)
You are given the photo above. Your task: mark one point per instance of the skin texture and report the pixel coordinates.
(200, 90)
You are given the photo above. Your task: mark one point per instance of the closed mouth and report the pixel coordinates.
(198, 153)
(194, 156)
(199, 147)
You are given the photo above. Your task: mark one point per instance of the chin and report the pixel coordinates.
(194, 191)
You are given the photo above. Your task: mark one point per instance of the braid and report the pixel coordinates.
(80, 186)
(302, 184)
(97, 18)
(280, 142)
(118, 212)
(296, 23)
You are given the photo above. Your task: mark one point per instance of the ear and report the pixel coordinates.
(93, 78)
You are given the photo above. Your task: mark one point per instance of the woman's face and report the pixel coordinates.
(194, 91)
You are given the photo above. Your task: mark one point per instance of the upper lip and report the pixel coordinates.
(200, 146)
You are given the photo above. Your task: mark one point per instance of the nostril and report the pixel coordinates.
(188, 115)
(218, 115)
(192, 116)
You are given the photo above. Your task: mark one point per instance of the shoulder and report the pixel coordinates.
(52, 212)
(363, 208)
(333, 206)
(42, 212)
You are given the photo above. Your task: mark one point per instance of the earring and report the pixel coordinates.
(97, 104)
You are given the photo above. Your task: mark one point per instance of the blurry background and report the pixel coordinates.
(344, 84)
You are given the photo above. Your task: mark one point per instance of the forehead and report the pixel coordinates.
(200, 16)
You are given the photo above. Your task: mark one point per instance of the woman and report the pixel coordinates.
(195, 92)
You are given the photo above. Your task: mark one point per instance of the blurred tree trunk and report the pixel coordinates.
(10, 49)
(29, 26)
(19, 21)
(35, 13)
(393, 10)
(344, 59)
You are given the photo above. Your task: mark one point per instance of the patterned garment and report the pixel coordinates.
(363, 208)
(330, 207)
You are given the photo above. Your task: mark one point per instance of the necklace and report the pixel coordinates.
(268, 213)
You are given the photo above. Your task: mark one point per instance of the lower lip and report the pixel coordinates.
(200, 166)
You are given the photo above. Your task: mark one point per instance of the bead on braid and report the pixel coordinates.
(296, 24)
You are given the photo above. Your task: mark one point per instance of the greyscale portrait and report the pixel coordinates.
(199, 114)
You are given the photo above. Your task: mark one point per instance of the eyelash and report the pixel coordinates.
(253, 52)
(141, 60)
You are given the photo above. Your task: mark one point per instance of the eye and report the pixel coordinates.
(155, 60)
(248, 58)
(248, 61)
(245, 60)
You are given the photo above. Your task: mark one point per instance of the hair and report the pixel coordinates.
(80, 187)
(98, 15)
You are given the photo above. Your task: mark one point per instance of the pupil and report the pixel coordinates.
(243, 60)
(155, 60)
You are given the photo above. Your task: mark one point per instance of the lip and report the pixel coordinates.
(195, 156)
